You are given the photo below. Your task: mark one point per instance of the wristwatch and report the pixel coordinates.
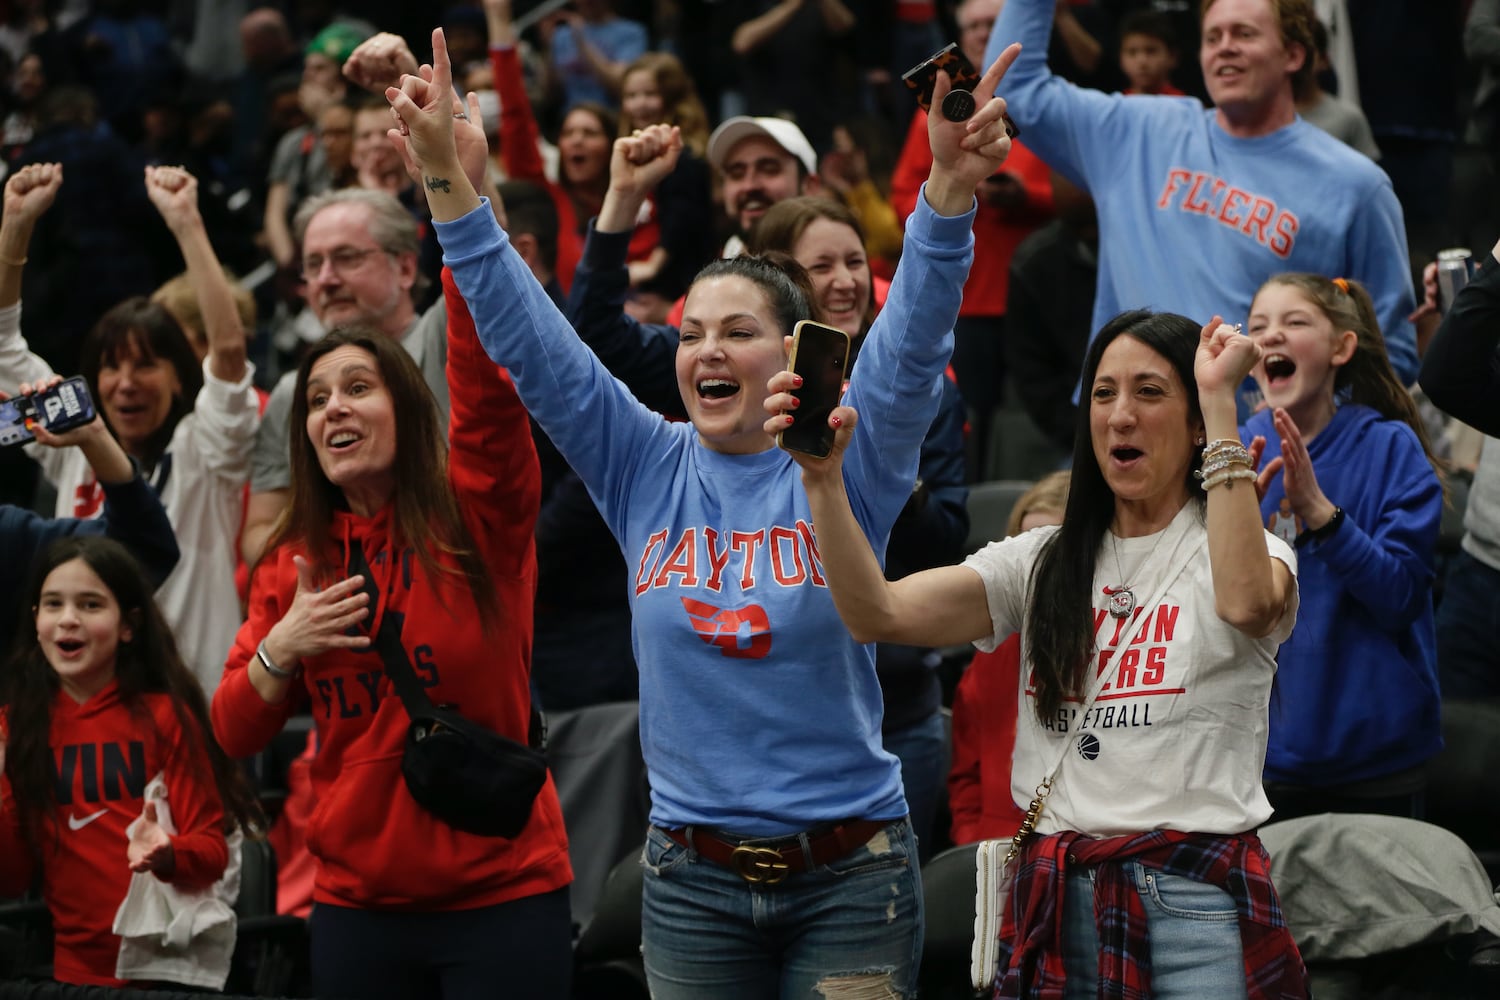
(272, 668)
(1325, 532)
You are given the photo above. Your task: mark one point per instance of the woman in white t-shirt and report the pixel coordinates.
(1150, 621)
(190, 426)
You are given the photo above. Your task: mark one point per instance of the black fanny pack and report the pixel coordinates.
(471, 778)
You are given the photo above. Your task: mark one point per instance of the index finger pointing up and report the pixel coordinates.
(996, 72)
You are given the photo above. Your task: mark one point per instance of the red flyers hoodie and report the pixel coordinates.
(376, 847)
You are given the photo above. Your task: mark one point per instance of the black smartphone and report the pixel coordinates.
(820, 354)
(61, 408)
(959, 104)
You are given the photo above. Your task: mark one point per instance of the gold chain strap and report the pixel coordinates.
(1033, 812)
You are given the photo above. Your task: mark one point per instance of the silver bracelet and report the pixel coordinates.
(277, 672)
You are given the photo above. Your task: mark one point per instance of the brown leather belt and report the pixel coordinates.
(766, 862)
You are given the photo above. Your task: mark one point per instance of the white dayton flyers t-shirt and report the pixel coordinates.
(1176, 738)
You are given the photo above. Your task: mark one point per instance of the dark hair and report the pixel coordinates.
(1059, 620)
(785, 222)
(1367, 377)
(786, 284)
(1152, 24)
(424, 510)
(141, 327)
(609, 124)
(1295, 18)
(530, 210)
(148, 663)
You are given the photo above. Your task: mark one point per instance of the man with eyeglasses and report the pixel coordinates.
(359, 266)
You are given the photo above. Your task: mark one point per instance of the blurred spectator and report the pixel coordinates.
(1184, 16)
(267, 51)
(1409, 57)
(760, 162)
(846, 172)
(1011, 204)
(28, 84)
(984, 706)
(1050, 308)
(298, 168)
(793, 63)
(19, 22)
(188, 424)
(584, 147)
(1148, 53)
(122, 52)
(1340, 119)
(85, 253)
(207, 32)
(1243, 191)
(656, 89)
(1476, 191)
(590, 49)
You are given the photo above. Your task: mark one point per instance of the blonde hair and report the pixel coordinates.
(680, 104)
(177, 297)
(1048, 495)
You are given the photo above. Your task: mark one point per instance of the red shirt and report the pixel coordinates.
(997, 231)
(984, 740)
(105, 753)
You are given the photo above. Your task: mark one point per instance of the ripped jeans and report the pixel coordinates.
(850, 930)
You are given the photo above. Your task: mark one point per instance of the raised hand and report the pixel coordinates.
(318, 619)
(379, 62)
(640, 161)
(1297, 476)
(150, 846)
(1225, 356)
(965, 153)
(423, 104)
(31, 191)
(174, 192)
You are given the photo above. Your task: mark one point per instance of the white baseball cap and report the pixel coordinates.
(780, 131)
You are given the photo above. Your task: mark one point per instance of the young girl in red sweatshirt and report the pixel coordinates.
(97, 703)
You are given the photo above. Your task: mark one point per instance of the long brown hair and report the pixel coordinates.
(680, 104)
(425, 514)
(785, 222)
(1367, 377)
(148, 663)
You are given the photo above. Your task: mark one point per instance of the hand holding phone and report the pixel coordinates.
(820, 355)
(959, 103)
(61, 408)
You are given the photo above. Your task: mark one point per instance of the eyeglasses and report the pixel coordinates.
(344, 260)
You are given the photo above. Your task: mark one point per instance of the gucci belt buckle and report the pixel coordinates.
(758, 865)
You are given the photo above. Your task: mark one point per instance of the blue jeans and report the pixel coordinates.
(1468, 664)
(707, 934)
(1195, 937)
(923, 751)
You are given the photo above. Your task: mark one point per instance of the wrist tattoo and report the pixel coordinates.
(438, 184)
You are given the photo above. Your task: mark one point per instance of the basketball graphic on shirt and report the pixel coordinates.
(1088, 746)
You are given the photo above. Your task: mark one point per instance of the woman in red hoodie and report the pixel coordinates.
(404, 904)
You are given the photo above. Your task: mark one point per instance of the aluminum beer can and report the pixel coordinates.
(1455, 266)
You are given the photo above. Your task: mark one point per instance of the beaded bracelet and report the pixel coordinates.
(1220, 464)
(1227, 478)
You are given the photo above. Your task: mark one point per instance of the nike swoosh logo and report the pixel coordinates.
(74, 823)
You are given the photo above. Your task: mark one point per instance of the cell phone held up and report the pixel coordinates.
(820, 354)
(959, 104)
(62, 408)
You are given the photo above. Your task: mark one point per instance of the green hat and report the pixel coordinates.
(337, 41)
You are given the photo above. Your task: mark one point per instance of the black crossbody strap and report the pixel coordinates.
(387, 643)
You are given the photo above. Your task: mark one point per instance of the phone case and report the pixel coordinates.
(61, 408)
(821, 390)
(921, 78)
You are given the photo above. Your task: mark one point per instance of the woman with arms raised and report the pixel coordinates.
(1149, 621)
(779, 861)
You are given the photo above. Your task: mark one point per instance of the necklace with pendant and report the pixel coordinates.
(1122, 598)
